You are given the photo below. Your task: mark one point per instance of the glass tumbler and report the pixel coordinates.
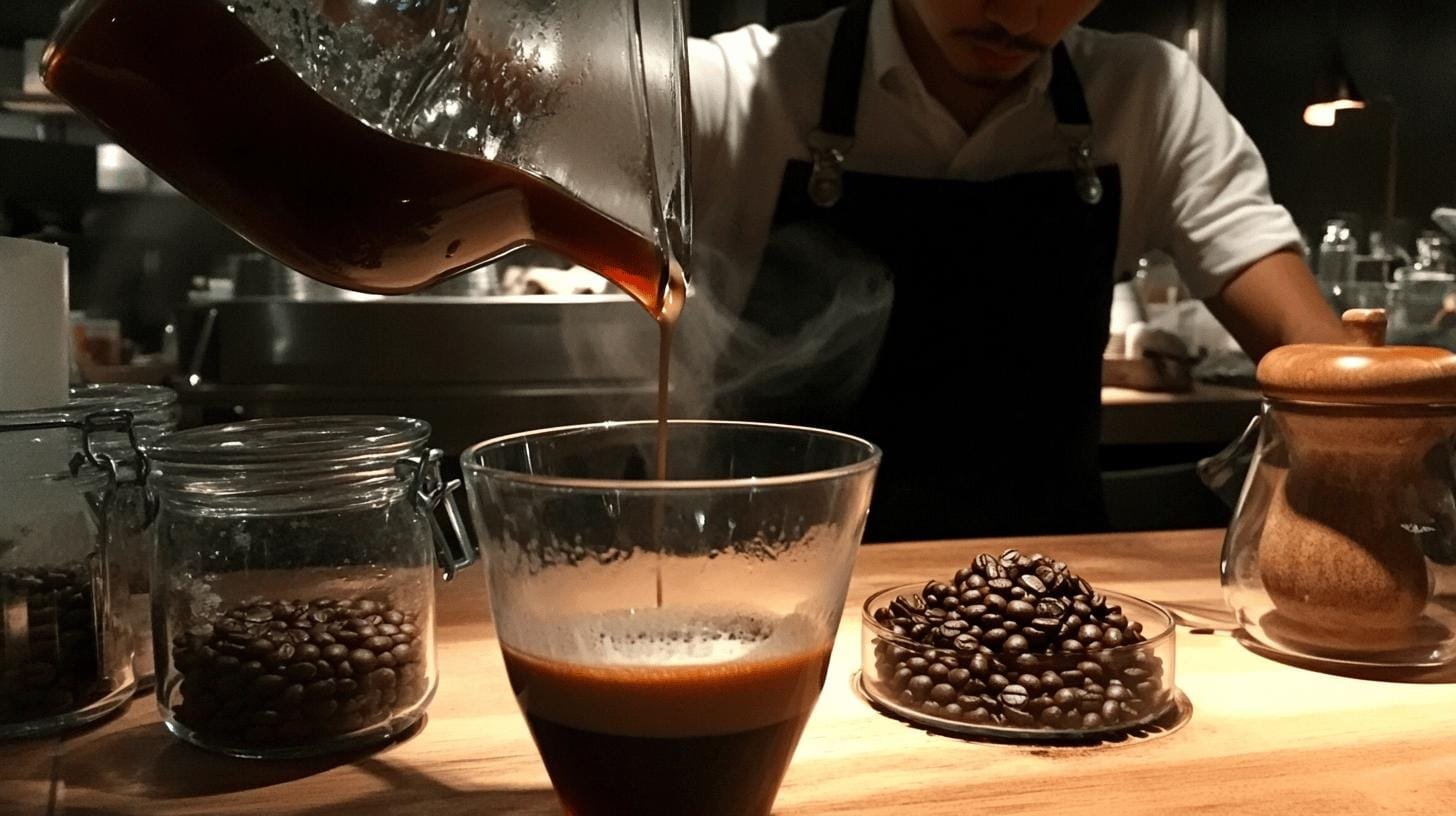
(667, 639)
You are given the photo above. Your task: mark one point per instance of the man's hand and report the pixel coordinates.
(1273, 303)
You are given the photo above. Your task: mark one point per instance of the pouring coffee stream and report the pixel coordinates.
(195, 91)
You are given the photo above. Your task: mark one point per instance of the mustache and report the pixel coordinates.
(999, 37)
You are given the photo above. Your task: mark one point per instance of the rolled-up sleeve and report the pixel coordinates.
(1212, 187)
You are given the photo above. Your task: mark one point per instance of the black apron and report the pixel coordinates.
(958, 325)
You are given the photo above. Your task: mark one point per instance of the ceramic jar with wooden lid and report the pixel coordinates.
(1343, 545)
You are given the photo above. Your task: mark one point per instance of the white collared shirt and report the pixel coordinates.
(1193, 183)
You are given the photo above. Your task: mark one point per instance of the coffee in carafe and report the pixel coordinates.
(192, 91)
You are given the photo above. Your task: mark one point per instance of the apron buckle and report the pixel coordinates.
(1089, 185)
(826, 183)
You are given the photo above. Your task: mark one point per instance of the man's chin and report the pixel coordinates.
(982, 78)
(973, 71)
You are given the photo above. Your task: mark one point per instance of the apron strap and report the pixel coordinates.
(1065, 89)
(831, 142)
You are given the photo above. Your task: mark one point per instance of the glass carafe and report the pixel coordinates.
(383, 147)
(1343, 545)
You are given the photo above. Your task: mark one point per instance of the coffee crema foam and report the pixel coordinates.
(696, 636)
(672, 672)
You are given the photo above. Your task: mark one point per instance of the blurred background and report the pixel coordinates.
(163, 293)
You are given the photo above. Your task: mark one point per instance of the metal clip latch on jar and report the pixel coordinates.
(430, 492)
(92, 425)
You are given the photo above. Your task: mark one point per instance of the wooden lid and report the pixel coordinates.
(1365, 372)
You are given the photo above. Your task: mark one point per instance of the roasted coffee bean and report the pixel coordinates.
(920, 686)
(1019, 717)
(1028, 661)
(1021, 611)
(1020, 616)
(1050, 608)
(268, 685)
(1032, 584)
(1013, 695)
(944, 693)
(310, 684)
(980, 665)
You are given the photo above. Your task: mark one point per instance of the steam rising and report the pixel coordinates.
(792, 342)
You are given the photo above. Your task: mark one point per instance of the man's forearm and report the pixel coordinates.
(1273, 303)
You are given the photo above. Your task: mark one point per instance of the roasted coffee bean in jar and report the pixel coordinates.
(65, 648)
(289, 673)
(1021, 644)
(297, 560)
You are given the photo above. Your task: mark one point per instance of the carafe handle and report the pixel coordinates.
(1225, 472)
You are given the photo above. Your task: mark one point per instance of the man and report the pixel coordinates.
(936, 197)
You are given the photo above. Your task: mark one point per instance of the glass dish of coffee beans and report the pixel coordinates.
(1017, 646)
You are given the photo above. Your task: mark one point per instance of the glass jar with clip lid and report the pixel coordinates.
(293, 602)
(65, 644)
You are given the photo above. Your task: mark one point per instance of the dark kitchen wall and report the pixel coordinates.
(1405, 51)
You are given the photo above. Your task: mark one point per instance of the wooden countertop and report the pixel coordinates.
(1207, 414)
(1263, 737)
